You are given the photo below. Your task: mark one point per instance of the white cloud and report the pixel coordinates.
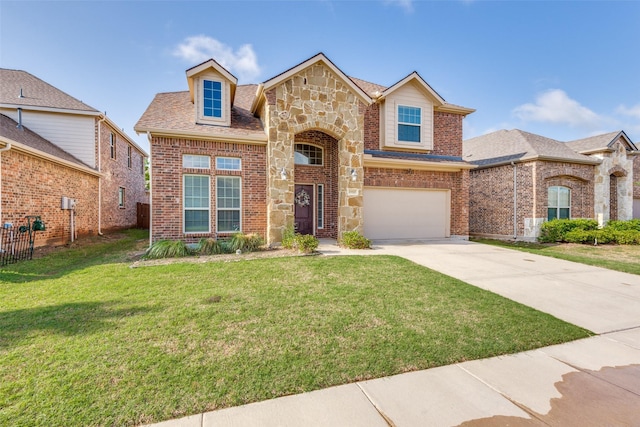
(631, 111)
(555, 106)
(407, 5)
(243, 62)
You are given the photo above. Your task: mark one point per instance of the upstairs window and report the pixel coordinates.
(306, 154)
(194, 161)
(112, 145)
(409, 123)
(559, 203)
(228, 164)
(212, 99)
(129, 156)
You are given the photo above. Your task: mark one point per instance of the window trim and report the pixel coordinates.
(402, 123)
(320, 206)
(112, 145)
(558, 207)
(193, 157)
(239, 208)
(129, 154)
(201, 118)
(122, 197)
(184, 207)
(239, 159)
(295, 151)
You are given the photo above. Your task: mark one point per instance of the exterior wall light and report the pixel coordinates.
(354, 175)
(283, 174)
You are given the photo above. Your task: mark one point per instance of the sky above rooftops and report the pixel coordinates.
(562, 69)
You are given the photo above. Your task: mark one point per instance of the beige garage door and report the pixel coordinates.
(392, 213)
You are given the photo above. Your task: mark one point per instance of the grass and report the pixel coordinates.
(614, 257)
(87, 340)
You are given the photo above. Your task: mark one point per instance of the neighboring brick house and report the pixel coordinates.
(310, 148)
(54, 146)
(522, 180)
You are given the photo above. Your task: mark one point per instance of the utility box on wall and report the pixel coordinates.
(67, 203)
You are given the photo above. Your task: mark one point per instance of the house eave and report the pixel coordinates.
(240, 139)
(124, 135)
(386, 163)
(592, 162)
(22, 148)
(455, 109)
(51, 110)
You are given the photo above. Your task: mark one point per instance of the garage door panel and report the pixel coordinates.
(392, 213)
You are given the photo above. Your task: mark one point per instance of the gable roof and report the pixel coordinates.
(319, 58)
(36, 93)
(506, 146)
(602, 142)
(35, 144)
(211, 64)
(173, 113)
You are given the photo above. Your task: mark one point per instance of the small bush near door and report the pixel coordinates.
(355, 240)
(305, 243)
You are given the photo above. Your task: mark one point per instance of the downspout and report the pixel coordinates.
(515, 202)
(100, 177)
(3, 149)
(150, 194)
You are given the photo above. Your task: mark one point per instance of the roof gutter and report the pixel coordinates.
(247, 139)
(150, 192)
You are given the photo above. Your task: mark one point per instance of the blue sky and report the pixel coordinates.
(562, 69)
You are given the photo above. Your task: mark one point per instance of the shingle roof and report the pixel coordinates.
(368, 87)
(9, 129)
(174, 111)
(512, 145)
(595, 143)
(36, 92)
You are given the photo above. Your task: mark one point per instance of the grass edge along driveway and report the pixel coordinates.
(86, 340)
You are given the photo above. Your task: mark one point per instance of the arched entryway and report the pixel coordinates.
(316, 187)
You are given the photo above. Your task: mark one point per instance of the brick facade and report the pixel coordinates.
(447, 134)
(34, 186)
(167, 184)
(491, 200)
(119, 171)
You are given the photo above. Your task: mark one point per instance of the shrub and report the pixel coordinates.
(355, 240)
(209, 246)
(288, 237)
(633, 224)
(627, 237)
(305, 243)
(168, 249)
(556, 229)
(245, 242)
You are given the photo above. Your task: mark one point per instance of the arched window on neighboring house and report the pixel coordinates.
(558, 203)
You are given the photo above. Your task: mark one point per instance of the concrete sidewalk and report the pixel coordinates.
(590, 382)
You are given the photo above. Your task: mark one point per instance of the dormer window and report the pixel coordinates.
(212, 98)
(409, 124)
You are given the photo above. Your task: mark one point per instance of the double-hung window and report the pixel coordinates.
(212, 98)
(228, 203)
(409, 124)
(559, 203)
(196, 203)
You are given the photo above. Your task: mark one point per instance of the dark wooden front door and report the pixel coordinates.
(303, 202)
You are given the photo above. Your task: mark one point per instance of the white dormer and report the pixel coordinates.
(212, 90)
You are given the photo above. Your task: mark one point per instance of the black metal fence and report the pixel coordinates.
(16, 242)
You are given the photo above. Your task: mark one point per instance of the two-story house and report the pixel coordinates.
(64, 161)
(310, 148)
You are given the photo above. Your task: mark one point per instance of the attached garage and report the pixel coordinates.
(403, 213)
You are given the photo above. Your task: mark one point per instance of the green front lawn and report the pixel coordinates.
(623, 258)
(87, 340)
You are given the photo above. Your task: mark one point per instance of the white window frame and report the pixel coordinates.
(184, 207)
(310, 145)
(320, 206)
(224, 160)
(129, 154)
(191, 161)
(558, 207)
(112, 145)
(420, 142)
(122, 197)
(239, 208)
(222, 120)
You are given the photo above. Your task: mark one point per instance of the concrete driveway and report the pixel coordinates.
(594, 298)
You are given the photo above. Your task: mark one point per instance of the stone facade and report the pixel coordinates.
(313, 99)
(34, 186)
(614, 188)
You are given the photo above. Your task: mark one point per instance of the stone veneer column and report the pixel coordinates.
(313, 99)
